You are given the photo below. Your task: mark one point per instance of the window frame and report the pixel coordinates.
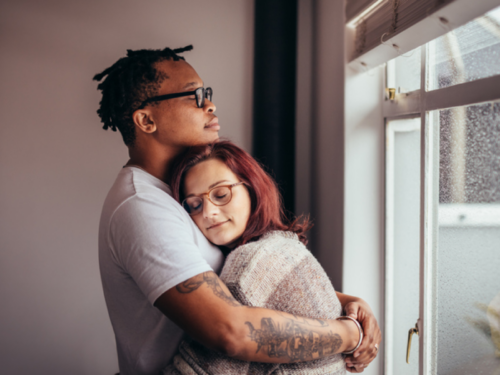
(366, 115)
(420, 103)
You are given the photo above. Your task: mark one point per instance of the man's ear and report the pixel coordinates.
(144, 121)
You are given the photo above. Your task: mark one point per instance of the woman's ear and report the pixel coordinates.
(144, 121)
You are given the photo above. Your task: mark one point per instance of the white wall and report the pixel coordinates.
(56, 163)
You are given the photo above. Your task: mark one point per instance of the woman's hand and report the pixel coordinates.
(368, 350)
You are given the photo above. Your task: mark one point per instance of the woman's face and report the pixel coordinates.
(222, 225)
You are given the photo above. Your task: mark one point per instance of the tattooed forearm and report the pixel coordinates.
(293, 340)
(212, 282)
(310, 322)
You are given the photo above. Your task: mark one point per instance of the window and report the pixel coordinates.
(442, 116)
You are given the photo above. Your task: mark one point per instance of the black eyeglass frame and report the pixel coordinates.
(208, 196)
(206, 93)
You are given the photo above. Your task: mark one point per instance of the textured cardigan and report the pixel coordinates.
(276, 272)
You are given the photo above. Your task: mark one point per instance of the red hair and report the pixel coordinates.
(267, 212)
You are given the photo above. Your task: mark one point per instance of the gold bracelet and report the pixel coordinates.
(360, 332)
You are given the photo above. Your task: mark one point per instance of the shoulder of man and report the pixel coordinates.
(135, 191)
(139, 215)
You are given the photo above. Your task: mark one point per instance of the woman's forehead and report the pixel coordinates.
(204, 175)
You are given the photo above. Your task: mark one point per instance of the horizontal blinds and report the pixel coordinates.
(354, 8)
(389, 19)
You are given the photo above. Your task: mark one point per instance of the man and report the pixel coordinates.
(159, 273)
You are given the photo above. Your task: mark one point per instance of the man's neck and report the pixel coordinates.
(156, 162)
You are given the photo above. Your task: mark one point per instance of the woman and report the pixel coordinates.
(237, 206)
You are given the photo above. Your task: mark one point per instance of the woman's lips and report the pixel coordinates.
(213, 124)
(217, 224)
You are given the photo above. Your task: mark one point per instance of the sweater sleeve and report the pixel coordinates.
(279, 273)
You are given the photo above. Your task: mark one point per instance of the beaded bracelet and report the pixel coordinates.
(360, 332)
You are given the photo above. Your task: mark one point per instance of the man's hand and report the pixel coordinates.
(368, 350)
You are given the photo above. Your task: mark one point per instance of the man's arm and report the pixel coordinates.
(360, 310)
(205, 309)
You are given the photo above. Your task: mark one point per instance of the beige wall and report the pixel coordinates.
(56, 163)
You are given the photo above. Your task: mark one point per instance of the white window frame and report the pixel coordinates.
(392, 128)
(418, 104)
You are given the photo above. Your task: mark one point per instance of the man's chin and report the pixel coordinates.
(211, 138)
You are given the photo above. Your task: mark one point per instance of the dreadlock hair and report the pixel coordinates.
(129, 82)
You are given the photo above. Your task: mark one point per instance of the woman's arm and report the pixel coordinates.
(205, 309)
(360, 310)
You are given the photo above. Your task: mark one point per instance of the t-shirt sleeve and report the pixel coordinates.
(153, 243)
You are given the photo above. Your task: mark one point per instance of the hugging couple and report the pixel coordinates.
(201, 271)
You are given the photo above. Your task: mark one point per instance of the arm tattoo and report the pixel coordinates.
(190, 285)
(212, 282)
(310, 322)
(293, 340)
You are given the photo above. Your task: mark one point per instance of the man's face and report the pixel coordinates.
(180, 123)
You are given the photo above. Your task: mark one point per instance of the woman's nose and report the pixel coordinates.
(209, 209)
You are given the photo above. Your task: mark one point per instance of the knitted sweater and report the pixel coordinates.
(276, 272)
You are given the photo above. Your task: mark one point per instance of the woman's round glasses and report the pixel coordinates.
(219, 195)
(200, 94)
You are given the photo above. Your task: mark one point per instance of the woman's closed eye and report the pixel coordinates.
(195, 204)
(220, 193)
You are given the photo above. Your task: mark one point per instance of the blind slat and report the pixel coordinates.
(355, 7)
(390, 19)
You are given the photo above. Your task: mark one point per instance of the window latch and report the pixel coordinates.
(391, 93)
(410, 335)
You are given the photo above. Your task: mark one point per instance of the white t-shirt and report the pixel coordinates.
(147, 245)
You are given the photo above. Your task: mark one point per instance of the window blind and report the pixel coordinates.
(354, 8)
(388, 20)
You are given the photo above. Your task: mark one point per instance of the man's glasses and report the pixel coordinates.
(200, 94)
(219, 195)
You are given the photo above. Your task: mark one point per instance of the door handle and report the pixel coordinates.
(410, 335)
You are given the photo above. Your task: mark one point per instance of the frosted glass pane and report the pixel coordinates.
(405, 72)
(403, 245)
(470, 154)
(468, 265)
(466, 54)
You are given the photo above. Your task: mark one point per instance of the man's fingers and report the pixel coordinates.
(369, 324)
(351, 361)
(351, 309)
(365, 358)
(367, 350)
(355, 368)
(365, 354)
(367, 346)
(372, 336)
